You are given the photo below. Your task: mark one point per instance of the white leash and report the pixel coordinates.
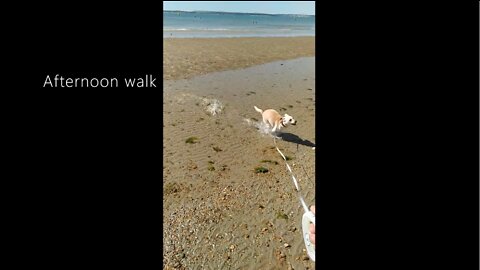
(308, 216)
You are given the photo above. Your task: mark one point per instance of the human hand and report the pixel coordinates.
(312, 227)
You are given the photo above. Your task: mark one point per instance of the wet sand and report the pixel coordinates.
(186, 57)
(218, 212)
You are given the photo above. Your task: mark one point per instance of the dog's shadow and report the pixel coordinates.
(289, 137)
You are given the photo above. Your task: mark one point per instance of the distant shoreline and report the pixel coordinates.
(200, 24)
(243, 13)
(234, 36)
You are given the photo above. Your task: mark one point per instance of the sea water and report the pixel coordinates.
(209, 24)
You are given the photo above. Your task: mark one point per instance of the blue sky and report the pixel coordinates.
(270, 7)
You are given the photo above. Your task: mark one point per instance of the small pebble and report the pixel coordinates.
(286, 245)
(280, 255)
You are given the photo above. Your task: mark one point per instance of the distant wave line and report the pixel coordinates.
(234, 30)
(238, 13)
(196, 29)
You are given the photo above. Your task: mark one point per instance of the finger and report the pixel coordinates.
(312, 237)
(312, 208)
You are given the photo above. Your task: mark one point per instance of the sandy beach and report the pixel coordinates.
(220, 212)
(186, 57)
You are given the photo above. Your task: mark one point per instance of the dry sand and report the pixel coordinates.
(218, 212)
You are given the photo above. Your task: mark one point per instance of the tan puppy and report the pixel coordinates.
(274, 119)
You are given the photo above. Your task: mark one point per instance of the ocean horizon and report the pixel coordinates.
(214, 24)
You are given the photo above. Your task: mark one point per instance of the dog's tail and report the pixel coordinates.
(258, 110)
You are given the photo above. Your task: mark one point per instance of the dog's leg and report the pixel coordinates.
(275, 135)
(274, 128)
